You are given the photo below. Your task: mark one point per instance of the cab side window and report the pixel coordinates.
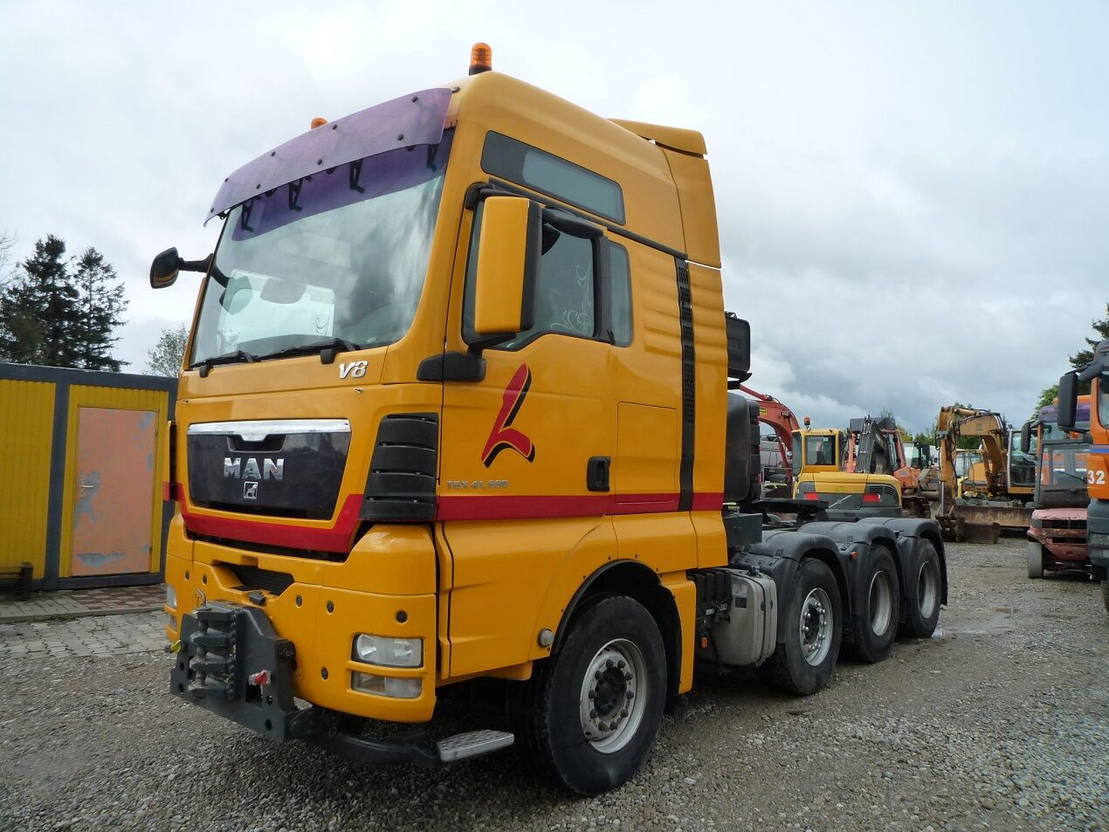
(567, 291)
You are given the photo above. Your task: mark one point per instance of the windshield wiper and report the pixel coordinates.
(235, 357)
(327, 349)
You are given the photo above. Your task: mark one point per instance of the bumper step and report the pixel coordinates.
(473, 744)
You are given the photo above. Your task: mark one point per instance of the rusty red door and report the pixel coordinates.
(113, 511)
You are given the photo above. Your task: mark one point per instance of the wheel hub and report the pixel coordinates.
(612, 695)
(815, 626)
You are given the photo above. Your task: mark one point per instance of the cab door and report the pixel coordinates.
(526, 450)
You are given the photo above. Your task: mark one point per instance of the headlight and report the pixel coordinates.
(389, 652)
(386, 685)
(171, 596)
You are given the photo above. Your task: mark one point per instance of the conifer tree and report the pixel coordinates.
(100, 303)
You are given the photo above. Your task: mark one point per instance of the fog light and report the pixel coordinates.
(386, 685)
(171, 596)
(389, 652)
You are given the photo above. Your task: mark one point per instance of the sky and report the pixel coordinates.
(913, 197)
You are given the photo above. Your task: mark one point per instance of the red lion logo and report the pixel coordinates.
(503, 435)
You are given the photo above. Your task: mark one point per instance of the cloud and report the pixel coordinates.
(912, 200)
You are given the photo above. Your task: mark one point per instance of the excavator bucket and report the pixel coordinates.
(957, 529)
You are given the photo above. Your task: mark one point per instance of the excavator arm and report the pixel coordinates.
(989, 427)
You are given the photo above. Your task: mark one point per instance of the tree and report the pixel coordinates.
(164, 358)
(100, 304)
(38, 309)
(1047, 396)
(1083, 357)
(61, 312)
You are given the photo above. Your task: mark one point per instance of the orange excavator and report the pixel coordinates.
(774, 413)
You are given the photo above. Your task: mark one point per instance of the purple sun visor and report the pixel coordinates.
(412, 119)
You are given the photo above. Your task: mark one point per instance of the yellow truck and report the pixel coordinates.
(455, 411)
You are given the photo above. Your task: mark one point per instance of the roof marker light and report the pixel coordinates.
(481, 58)
(318, 121)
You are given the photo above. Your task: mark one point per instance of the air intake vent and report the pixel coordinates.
(401, 482)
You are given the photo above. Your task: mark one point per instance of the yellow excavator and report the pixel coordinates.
(820, 456)
(978, 508)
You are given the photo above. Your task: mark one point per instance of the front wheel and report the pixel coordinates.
(1035, 559)
(813, 624)
(594, 708)
(923, 593)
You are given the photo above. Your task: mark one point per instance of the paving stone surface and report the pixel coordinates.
(105, 635)
(42, 606)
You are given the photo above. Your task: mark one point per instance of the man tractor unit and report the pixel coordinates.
(454, 411)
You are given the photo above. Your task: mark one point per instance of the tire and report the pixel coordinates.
(1035, 559)
(923, 591)
(563, 730)
(877, 619)
(1105, 594)
(813, 628)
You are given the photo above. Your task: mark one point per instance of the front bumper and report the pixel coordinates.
(230, 661)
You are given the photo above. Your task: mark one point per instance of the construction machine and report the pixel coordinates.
(820, 465)
(1097, 456)
(876, 446)
(778, 476)
(977, 509)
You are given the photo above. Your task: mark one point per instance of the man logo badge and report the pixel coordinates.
(353, 369)
(250, 490)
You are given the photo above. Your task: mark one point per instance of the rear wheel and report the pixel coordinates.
(876, 623)
(594, 708)
(813, 623)
(1035, 559)
(923, 592)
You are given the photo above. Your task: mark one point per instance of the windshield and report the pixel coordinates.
(340, 254)
(964, 460)
(820, 450)
(1064, 467)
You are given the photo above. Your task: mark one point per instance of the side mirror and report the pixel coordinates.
(163, 271)
(1068, 401)
(1026, 438)
(739, 346)
(507, 263)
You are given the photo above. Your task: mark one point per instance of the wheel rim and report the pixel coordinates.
(926, 589)
(815, 626)
(613, 695)
(881, 602)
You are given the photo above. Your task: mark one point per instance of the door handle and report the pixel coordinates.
(596, 473)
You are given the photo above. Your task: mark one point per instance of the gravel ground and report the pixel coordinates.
(1001, 721)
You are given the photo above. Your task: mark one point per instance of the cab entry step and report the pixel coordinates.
(473, 744)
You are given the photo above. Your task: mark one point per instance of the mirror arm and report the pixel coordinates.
(195, 265)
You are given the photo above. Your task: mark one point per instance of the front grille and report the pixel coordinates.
(278, 467)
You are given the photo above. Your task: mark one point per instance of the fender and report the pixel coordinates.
(780, 554)
(910, 531)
